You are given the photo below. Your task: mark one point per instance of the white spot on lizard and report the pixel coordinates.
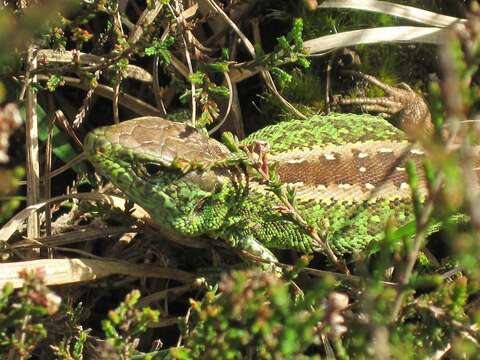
(404, 186)
(417, 152)
(321, 187)
(329, 156)
(362, 155)
(369, 186)
(385, 150)
(299, 183)
(362, 169)
(295, 161)
(344, 186)
(398, 168)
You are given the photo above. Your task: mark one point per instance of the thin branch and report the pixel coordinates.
(48, 166)
(251, 49)
(87, 101)
(257, 160)
(229, 105)
(69, 60)
(156, 78)
(118, 75)
(421, 230)
(180, 21)
(130, 102)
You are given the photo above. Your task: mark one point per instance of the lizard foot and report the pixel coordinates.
(406, 109)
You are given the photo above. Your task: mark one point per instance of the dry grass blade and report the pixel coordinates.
(33, 162)
(69, 271)
(72, 237)
(147, 17)
(390, 34)
(16, 221)
(62, 121)
(403, 11)
(190, 12)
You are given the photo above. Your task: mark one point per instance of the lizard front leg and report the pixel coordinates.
(250, 248)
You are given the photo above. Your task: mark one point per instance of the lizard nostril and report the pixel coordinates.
(94, 145)
(100, 146)
(100, 151)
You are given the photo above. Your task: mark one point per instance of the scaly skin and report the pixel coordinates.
(348, 172)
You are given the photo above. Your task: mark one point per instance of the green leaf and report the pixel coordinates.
(414, 183)
(219, 66)
(219, 91)
(197, 77)
(160, 48)
(54, 81)
(282, 76)
(109, 329)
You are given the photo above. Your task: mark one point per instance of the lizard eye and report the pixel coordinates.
(148, 170)
(152, 169)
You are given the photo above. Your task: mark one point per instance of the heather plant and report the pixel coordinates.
(22, 316)
(258, 315)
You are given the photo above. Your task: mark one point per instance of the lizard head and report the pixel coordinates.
(141, 158)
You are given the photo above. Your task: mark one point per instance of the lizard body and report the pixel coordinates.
(348, 172)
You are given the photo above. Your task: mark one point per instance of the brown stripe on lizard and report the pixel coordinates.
(364, 165)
